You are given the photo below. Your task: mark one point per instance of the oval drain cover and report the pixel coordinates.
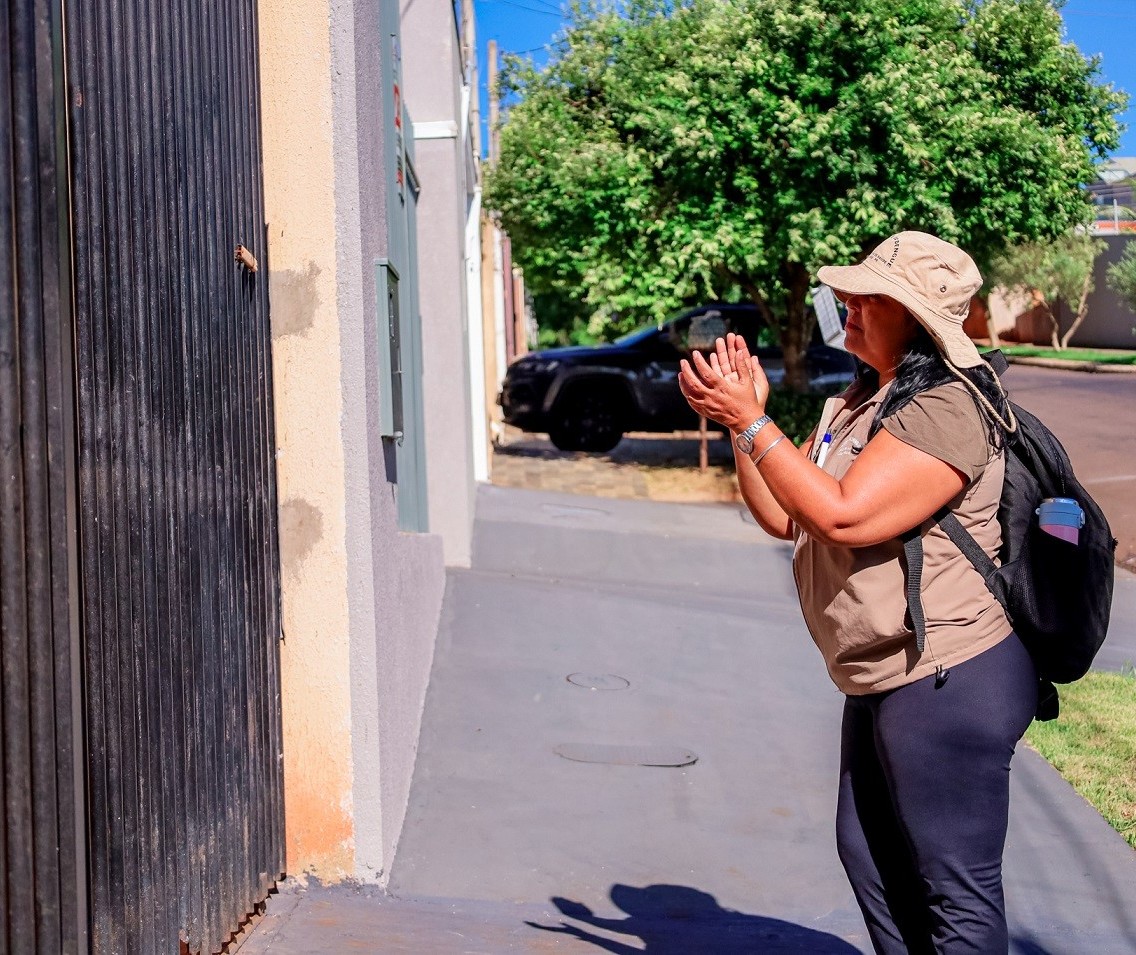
(618, 755)
(573, 510)
(605, 681)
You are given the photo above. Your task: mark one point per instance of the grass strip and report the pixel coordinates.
(1093, 745)
(1099, 356)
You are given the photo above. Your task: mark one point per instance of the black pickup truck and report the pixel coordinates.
(587, 397)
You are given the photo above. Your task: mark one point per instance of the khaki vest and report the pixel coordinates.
(854, 598)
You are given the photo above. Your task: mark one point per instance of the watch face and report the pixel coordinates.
(744, 443)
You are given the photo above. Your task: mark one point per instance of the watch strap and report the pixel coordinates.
(753, 429)
(744, 440)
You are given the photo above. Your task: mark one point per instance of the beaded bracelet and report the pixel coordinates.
(777, 441)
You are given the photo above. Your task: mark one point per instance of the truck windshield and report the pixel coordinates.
(650, 328)
(643, 331)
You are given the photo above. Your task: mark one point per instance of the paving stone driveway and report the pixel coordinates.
(657, 467)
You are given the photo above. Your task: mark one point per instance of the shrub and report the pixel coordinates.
(1122, 276)
(795, 414)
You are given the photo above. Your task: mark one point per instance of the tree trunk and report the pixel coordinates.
(1082, 310)
(797, 331)
(995, 341)
(794, 329)
(1053, 329)
(794, 343)
(991, 331)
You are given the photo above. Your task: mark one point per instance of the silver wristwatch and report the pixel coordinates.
(744, 441)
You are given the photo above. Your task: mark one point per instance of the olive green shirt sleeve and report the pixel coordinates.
(946, 423)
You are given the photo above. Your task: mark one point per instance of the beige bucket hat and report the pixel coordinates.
(933, 279)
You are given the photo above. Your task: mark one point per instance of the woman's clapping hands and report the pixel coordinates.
(730, 388)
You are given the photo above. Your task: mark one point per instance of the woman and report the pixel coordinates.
(927, 736)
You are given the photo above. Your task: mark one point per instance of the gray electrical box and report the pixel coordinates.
(391, 414)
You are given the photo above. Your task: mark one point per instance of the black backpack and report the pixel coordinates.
(1057, 595)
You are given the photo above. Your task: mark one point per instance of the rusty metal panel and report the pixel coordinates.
(42, 876)
(177, 489)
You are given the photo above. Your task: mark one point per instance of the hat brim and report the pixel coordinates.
(862, 279)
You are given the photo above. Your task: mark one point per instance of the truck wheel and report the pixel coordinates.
(591, 420)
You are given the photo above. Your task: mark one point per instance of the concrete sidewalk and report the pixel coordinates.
(679, 628)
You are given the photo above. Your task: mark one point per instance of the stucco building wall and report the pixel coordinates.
(1109, 322)
(432, 82)
(361, 599)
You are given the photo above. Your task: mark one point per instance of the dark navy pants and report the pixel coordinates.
(924, 794)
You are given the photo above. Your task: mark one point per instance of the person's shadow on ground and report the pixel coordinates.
(678, 920)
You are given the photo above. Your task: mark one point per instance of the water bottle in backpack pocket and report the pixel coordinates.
(1061, 517)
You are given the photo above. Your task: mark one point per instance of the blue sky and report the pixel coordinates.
(1105, 27)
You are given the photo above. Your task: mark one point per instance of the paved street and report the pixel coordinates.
(1091, 414)
(627, 632)
(1087, 412)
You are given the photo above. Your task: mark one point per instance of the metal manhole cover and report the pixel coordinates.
(602, 681)
(621, 755)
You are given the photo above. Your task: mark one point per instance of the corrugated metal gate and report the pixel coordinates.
(42, 872)
(177, 497)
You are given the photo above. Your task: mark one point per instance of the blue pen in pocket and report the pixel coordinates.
(825, 444)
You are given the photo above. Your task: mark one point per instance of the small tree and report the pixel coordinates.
(1121, 276)
(1049, 272)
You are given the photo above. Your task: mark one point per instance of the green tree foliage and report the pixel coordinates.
(563, 319)
(672, 152)
(1057, 270)
(1121, 276)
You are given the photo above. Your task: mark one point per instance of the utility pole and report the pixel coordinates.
(494, 105)
(490, 270)
(469, 68)
(489, 241)
(520, 324)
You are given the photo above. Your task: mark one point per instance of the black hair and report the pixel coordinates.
(922, 368)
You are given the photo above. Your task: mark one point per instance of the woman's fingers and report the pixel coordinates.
(752, 364)
(745, 367)
(744, 362)
(705, 372)
(716, 364)
(740, 350)
(760, 382)
(692, 389)
(722, 353)
(689, 381)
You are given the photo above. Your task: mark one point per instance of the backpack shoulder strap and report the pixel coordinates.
(913, 554)
(997, 361)
(961, 538)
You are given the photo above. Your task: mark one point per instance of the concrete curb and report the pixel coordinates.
(1090, 366)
